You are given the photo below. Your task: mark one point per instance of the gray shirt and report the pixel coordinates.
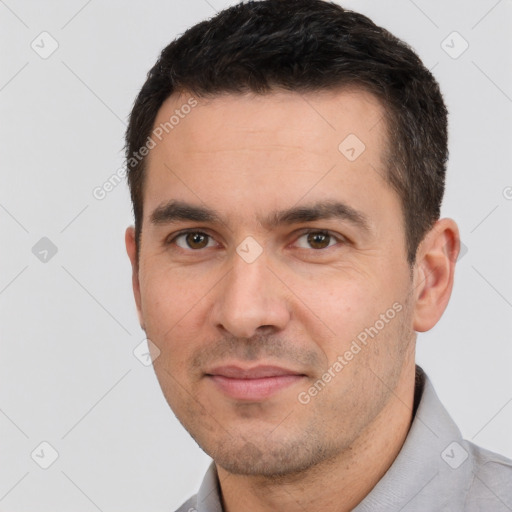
(435, 471)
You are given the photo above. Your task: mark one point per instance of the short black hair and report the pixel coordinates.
(308, 46)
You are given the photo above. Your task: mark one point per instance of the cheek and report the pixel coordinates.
(173, 308)
(341, 303)
(342, 309)
(168, 294)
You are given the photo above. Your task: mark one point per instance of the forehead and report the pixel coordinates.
(309, 120)
(278, 147)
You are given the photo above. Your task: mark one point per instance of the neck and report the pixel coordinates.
(338, 484)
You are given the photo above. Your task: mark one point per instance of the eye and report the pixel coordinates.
(319, 240)
(313, 239)
(192, 240)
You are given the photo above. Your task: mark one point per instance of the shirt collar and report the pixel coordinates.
(432, 470)
(208, 496)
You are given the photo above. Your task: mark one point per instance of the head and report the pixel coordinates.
(304, 150)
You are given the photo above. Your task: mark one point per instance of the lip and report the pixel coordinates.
(252, 384)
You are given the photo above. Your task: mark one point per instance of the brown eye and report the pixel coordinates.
(196, 240)
(192, 240)
(318, 239)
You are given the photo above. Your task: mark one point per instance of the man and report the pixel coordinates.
(286, 165)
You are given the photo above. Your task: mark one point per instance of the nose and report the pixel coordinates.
(250, 298)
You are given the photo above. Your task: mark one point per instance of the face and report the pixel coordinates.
(273, 276)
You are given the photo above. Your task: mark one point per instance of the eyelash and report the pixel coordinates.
(337, 238)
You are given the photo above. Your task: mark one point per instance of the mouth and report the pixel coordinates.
(252, 384)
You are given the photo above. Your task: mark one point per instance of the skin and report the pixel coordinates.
(299, 305)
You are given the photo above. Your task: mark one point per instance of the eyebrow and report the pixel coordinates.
(175, 211)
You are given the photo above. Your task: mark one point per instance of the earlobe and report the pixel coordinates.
(131, 249)
(434, 273)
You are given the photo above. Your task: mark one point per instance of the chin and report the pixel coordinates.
(267, 459)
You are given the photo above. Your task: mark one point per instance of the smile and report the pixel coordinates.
(252, 384)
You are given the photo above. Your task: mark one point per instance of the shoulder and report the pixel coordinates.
(189, 505)
(491, 485)
(207, 498)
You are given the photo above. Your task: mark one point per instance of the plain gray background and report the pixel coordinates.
(68, 322)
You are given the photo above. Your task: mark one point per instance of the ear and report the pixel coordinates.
(131, 249)
(434, 272)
